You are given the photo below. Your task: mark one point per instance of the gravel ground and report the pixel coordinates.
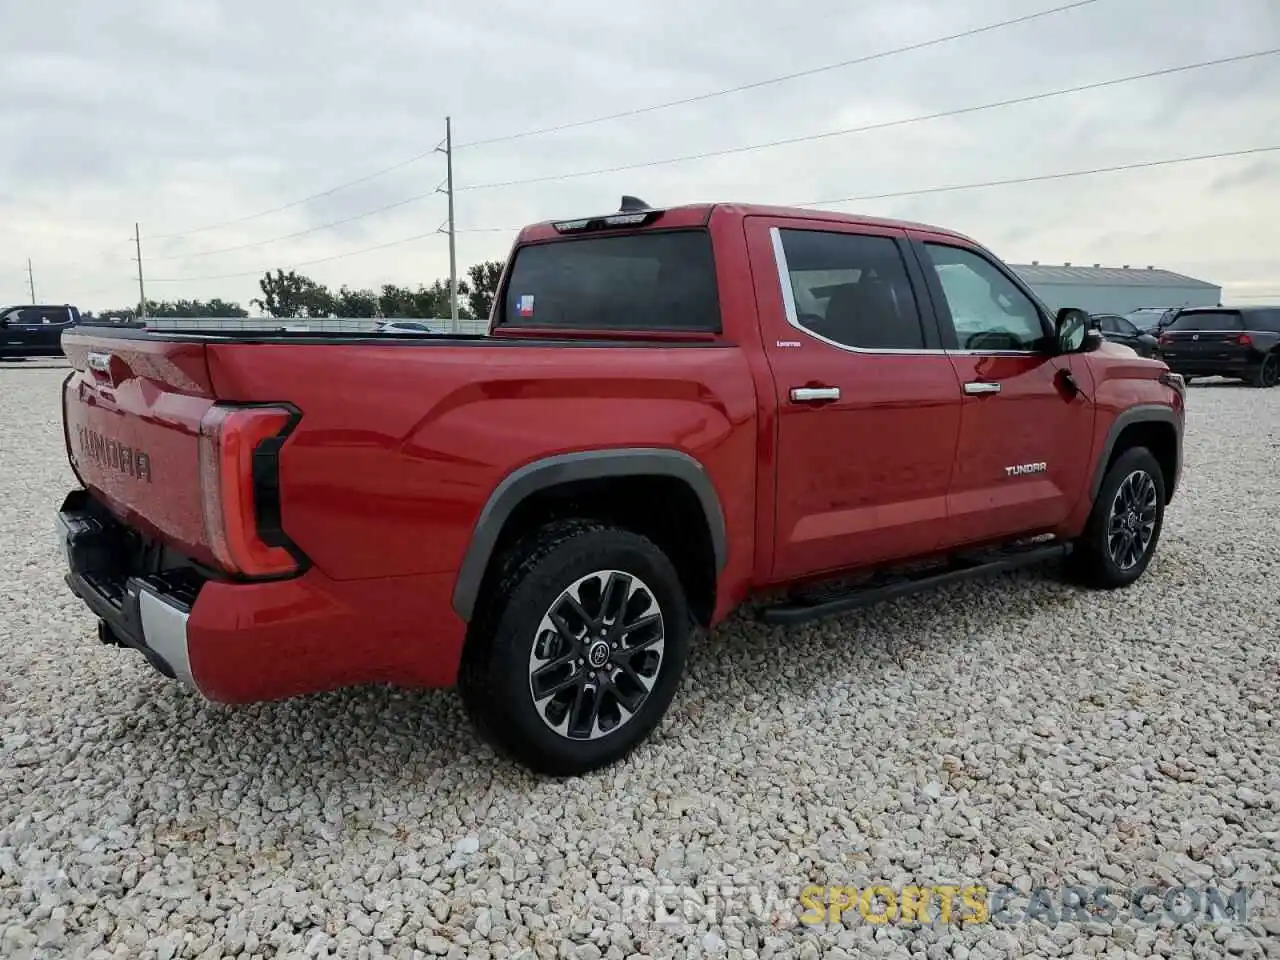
(1010, 733)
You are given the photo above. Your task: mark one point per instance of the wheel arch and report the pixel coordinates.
(602, 470)
(1150, 425)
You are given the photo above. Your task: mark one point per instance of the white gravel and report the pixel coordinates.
(1013, 732)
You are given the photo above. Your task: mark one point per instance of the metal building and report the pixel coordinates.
(1100, 289)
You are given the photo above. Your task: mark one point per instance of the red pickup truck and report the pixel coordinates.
(675, 411)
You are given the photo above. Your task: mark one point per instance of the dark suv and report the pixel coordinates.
(35, 330)
(1241, 342)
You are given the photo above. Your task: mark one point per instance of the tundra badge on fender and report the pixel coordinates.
(1024, 468)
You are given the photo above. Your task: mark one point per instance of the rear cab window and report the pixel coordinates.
(656, 280)
(1208, 320)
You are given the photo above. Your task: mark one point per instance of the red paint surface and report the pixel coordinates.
(398, 449)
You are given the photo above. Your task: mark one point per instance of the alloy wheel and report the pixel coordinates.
(1131, 523)
(597, 655)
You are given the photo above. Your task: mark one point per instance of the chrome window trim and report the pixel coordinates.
(793, 318)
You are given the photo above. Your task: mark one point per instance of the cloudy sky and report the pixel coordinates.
(201, 118)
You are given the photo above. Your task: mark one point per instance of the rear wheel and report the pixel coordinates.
(1124, 527)
(1268, 372)
(579, 649)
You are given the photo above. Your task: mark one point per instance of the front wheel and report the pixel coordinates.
(1124, 526)
(579, 649)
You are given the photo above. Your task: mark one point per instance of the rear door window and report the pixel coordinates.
(660, 280)
(52, 316)
(852, 289)
(1208, 320)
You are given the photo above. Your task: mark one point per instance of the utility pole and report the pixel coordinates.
(31, 282)
(453, 256)
(142, 294)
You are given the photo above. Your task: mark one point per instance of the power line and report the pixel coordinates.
(924, 191)
(637, 111)
(755, 85)
(114, 285)
(296, 203)
(884, 125)
(906, 121)
(303, 263)
(1143, 165)
(302, 233)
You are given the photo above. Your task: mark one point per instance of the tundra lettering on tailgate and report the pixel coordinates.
(114, 455)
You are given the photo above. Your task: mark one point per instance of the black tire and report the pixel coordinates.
(1098, 558)
(497, 674)
(1267, 373)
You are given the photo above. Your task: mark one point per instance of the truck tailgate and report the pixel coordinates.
(132, 411)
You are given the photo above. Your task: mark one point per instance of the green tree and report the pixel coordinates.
(293, 295)
(425, 303)
(394, 301)
(117, 315)
(355, 303)
(484, 286)
(217, 307)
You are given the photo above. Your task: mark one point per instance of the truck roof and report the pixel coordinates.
(699, 214)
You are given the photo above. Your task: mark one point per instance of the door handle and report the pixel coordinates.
(981, 386)
(814, 394)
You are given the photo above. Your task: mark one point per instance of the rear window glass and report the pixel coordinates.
(1208, 320)
(644, 281)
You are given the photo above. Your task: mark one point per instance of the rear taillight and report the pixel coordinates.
(239, 486)
(1244, 340)
(1164, 338)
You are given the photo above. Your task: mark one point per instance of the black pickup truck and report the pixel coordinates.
(35, 329)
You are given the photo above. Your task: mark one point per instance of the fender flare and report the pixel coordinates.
(1144, 413)
(548, 472)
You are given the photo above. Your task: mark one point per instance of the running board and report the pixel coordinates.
(795, 611)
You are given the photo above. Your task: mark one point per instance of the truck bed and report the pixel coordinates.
(399, 439)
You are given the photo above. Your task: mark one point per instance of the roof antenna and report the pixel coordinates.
(632, 205)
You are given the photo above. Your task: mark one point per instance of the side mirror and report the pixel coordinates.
(1076, 331)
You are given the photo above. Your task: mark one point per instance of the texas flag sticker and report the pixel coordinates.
(525, 305)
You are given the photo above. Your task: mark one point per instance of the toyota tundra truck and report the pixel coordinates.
(676, 412)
